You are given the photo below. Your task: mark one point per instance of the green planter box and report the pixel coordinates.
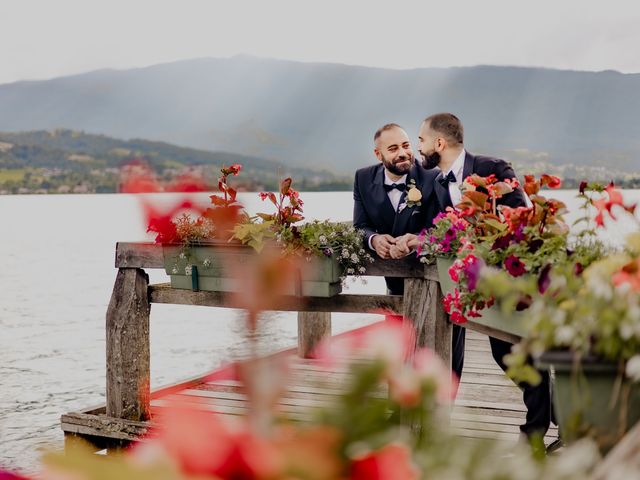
(493, 317)
(591, 401)
(320, 277)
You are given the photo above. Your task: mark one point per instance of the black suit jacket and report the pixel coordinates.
(484, 166)
(373, 211)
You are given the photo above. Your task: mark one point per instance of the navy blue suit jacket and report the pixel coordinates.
(373, 211)
(484, 166)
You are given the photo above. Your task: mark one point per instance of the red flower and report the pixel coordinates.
(391, 462)
(458, 318)
(550, 181)
(603, 205)
(232, 170)
(514, 266)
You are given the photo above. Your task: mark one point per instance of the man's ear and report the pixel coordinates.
(441, 143)
(377, 153)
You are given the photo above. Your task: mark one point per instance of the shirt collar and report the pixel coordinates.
(457, 166)
(388, 181)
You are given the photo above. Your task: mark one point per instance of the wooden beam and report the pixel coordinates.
(491, 332)
(103, 426)
(163, 293)
(149, 255)
(139, 255)
(128, 362)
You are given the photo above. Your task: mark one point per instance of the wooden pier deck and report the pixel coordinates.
(488, 404)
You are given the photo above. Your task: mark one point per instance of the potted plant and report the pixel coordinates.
(207, 253)
(481, 233)
(585, 324)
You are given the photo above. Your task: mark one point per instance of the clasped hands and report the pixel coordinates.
(387, 246)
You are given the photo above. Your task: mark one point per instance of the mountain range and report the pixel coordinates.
(319, 116)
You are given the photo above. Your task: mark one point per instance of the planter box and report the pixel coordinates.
(590, 401)
(214, 263)
(493, 317)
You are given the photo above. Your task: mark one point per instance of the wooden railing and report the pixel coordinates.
(127, 328)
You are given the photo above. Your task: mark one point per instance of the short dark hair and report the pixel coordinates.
(448, 125)
(384, 128)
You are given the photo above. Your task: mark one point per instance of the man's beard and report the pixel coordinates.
(430, 160)
(395, 169)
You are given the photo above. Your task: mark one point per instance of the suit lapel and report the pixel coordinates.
(468, 165)
(444, 199)
(381, 199)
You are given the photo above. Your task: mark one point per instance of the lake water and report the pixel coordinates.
(57, 256)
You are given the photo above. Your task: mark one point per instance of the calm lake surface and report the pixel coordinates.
(57, 256)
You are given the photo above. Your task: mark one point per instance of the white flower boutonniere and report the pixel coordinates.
(414, 195)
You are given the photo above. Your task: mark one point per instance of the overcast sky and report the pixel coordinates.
(47, 38)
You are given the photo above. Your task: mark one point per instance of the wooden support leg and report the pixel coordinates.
(128, 365)
(313, 327)
(423, 306)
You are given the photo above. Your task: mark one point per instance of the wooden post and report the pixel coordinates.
(423, 306)
(312, 328)
(128, 370)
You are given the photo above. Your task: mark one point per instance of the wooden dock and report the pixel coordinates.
(488, 404)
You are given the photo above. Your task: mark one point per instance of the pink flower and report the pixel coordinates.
(458, 318)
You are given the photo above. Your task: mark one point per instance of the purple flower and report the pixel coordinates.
(472, 272)
(501, 242)
(544, 279)
(328, 251)
(518, 235)
(514, 266)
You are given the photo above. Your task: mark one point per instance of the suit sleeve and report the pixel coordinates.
(361, 220)
(516, 198)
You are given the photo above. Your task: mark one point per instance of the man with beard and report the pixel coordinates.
(441, 145)
(392, 197)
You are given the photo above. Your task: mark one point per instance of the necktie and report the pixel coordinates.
(445, 181)
(397, 186)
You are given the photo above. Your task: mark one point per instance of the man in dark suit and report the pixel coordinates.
(441, 145)
(392, 197)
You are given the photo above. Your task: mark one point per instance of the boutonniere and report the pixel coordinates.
(414, 195)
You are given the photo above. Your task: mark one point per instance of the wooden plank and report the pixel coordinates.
(313, 327)
(127, 342)
(103, 426)
(149, 255)
(349, 303)
(492, 332)
(464, 402)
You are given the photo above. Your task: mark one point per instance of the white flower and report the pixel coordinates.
(182, 255)
(345, 253)
(350, 271)
(322, 239)
(362, 251)
(633, 368)
(564, 335)
(333, 235)
(626, 331)
(174, 270)
(361, 270)
(355, 258)
(188, 269)
(206, 263)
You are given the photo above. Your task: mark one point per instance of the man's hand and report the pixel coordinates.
(382, 245)
(404, 245)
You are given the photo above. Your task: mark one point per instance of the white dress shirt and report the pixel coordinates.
(394, 196)
(454, 188)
